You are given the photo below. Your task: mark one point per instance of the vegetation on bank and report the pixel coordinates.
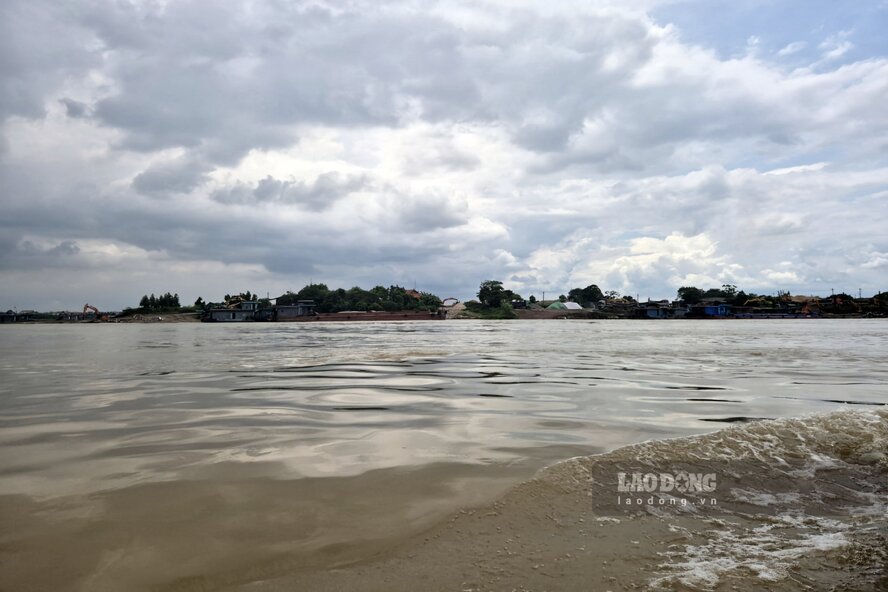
(380, 298)
(494, 301)
(476, 310)
(154, 305)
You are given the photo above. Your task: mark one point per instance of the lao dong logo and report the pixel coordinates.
(660, 489)
(681, 482)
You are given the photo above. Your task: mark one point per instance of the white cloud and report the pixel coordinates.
(876, 260)
(792, 48)
(837, 45)
(804, 168)
(557, 144)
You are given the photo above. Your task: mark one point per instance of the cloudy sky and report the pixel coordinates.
(207, 147)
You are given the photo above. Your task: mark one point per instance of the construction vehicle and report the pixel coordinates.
(99, 316)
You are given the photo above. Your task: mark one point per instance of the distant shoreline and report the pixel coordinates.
(521, 315)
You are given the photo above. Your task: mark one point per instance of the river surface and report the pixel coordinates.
(124, 446)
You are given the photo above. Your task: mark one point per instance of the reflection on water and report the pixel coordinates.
(97, 419)
(90, 407)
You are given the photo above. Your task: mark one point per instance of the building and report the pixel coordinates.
(711, 309)
(656, 310)
(244, 311)
(288, 312)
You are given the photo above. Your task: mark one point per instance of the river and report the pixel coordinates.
(202, 456)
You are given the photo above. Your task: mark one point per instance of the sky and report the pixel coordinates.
(204, 148)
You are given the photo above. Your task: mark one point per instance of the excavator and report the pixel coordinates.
(99, 316)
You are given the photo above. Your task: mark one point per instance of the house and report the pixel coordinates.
(25, 316)
(302, 308)
(718, 310)
(656, 310)
(244, 311)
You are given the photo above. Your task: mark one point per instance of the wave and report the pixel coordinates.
(790, 504)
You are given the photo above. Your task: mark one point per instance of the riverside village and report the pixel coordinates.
(317, 302)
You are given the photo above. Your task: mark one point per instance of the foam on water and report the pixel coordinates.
(793, 495)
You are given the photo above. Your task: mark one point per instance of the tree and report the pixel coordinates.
(587, 296)
(429, 301)
(562, 298)
(690, 294)
(199, 303)
(316, 292)
(490, 293)
(740, 298)
(532, 299)
(144, 302)
(287, 299)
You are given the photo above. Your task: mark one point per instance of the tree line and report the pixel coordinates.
(492, 295)
(164, 302)
(379, 298)
(494, 300)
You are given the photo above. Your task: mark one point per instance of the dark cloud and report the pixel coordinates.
(39, 48)
(224, 79)
(457, 142)
(177, 177)
(424, 213)
(544, 137)
(317, 195)
(27, 254)
(73, 108)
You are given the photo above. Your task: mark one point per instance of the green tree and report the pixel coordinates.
(145, 302)
(490, 293)
(429, 301)
(690, 294)
(587, 296)
(316, 292)
(287, 299)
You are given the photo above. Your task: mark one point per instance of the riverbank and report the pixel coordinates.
(458, 313)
